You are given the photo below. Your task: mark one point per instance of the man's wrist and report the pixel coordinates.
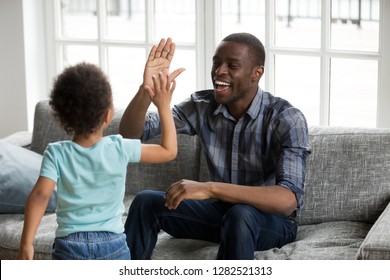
(144, 93)
(142, 88)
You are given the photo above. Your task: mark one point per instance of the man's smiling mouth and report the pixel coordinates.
(221, 86)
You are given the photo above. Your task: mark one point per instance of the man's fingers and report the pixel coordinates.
(174, 198)
(168, 49)
(152, 52)
(160, 48)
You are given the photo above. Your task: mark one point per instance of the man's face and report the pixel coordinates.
(233, 74)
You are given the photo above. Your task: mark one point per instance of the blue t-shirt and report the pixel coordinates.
(90, 182)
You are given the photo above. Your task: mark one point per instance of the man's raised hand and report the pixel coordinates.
(159, 60)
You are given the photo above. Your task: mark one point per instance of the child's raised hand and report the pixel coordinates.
(161, 95)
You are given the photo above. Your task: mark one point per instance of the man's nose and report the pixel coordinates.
(221, 69)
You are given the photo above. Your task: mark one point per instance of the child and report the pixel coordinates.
(90, 170)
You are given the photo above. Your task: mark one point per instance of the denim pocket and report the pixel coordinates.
(90, 246)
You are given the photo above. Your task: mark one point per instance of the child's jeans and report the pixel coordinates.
(99, 245)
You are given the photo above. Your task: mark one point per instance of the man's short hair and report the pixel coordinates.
(256, 48)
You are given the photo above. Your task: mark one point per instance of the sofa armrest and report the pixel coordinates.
(376, 245)
(21, 138)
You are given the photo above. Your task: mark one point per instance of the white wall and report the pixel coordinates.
(22, 63)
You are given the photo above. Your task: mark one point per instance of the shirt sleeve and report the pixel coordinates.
(292, 144)
(184, 115)
(132, 148)
(49, 165)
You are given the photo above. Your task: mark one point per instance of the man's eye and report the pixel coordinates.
(216, 65)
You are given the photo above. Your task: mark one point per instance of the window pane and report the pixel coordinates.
(126, 66)
(243, 16)
(125, 70)
(74, 54)
(298, 24)
(186, 82)
(176, 19)
(297, 79)
(353, 97)
(125, 19)
(78, 19)
(355, 25)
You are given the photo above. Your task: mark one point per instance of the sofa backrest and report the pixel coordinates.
(348, 175)
(139, 175)
(46, 129)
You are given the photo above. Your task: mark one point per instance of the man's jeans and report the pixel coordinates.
(240, 229)
(98, 245)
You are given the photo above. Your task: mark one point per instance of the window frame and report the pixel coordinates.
(208, 36)
(325, 53)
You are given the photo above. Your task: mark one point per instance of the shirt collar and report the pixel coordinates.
(253, 110)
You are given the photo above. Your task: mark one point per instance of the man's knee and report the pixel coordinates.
(144, 208)
(147, 198)
(240, 222)
(240, 214)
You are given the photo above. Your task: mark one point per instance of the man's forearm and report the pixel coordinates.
(271, 199)
(133, 118)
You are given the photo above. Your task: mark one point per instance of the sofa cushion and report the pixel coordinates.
(325, 241)
(376, 245)
(11, 232)
(170, 248)
(333, 240)
(347, 176)
(20, 138)
(19, 171)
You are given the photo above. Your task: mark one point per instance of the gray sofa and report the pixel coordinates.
(346, 214)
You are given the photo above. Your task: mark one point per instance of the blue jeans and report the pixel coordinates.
(99, 245)
(240, 229)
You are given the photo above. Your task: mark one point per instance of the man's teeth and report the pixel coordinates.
(219, 83)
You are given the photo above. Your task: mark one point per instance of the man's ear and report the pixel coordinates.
(258, 72)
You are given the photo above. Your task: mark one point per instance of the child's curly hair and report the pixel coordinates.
(80, 97)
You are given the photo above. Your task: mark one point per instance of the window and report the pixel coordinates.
(325, 57)
(322, 56)
(117, 35)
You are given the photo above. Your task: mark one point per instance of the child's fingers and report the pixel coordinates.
(176, 73)
(162, 79)
(150, 92)
(168, 82)
(172, 89)
(157, 82)
(171, 83)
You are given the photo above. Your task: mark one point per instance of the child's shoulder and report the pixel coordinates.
(113, 138)
(58, 144)
(117, 138)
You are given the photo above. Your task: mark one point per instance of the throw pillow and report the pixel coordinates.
(19, 171)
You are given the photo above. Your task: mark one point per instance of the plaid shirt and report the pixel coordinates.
(267, 146)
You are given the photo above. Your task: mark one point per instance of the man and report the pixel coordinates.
(256, 148)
